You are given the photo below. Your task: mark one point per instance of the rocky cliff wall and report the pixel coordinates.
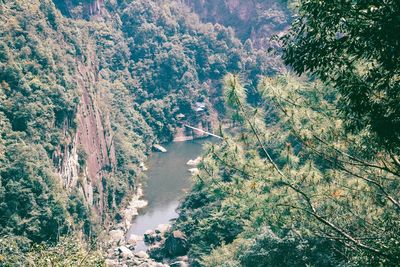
(89, 154)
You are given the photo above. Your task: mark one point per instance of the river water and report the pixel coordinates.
(168, 180)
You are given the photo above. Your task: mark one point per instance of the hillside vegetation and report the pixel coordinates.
(312, 178)
(82, 101)
(307, 176)
(253, 21)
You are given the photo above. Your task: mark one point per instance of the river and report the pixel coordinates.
(168, 180)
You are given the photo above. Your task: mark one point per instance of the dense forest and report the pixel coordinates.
(312, 178)
(306, 175)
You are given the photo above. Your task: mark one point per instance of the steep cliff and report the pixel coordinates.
(70, 140)
(89, 155)
(256, 20)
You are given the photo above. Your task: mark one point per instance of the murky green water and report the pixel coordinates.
(168, 180)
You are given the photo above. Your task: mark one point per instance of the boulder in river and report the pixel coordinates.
(176, 244)
(194, 162)
(160, 148)
(162, 228)
(125, 252)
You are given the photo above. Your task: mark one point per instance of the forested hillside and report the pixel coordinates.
(86, 88)
(312, 178)
(254, 21)
(306, 172)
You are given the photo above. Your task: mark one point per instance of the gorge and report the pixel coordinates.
(106, 107)
(94, 85)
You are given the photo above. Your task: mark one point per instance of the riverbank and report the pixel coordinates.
(120, 248)
(154, 204)
(182, 136)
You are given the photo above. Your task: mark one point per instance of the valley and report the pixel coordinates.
(199, 133)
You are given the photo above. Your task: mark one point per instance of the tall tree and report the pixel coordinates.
(354, 45)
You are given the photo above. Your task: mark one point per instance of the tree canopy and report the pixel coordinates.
(312, 177)
(355, 47)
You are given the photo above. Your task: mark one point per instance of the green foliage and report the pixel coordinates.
(251, 20)
(13, 250)
(30, 205)
(150, 61)
(268, 249)
(82, 157)
(37, 87)
(70, 251)
(79, 212)
(353, 46)
(298, 193)
(38, 98)
(173, 55)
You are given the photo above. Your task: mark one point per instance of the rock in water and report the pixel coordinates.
(162, 228)
(191, 163)
(176, 244)
(125, 252)
(194, 162)
(160, 148)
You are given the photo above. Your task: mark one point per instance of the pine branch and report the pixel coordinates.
(371, 165)
(312, 211)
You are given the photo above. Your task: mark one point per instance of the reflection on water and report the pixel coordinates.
(168, 178)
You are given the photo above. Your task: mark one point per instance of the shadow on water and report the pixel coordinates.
(168, 179)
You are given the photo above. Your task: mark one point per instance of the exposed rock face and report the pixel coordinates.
(256, 20)
(94, 8)
(88, 154)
